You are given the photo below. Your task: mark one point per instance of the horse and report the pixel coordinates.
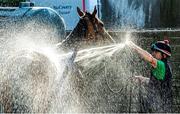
(28, 76)
(89, 32)
(32, 82)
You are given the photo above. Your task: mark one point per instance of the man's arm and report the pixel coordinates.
(147, 56)
(158, 66)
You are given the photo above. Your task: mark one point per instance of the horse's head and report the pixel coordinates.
(92, 26)
(89, 31)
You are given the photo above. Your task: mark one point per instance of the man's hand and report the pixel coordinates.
(131, 44)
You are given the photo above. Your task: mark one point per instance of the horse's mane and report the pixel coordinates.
(88, 32)
(78, 32)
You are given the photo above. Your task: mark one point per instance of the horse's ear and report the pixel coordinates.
(94, 12)
(80, 12)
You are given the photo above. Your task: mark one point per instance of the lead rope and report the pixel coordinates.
(106, 79)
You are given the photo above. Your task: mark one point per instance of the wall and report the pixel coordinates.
(141, 13)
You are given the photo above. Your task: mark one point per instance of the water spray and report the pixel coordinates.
(127, 37)
(88, 58)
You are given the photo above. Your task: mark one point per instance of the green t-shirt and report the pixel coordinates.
(159, 71)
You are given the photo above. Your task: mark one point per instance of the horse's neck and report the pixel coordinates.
(76, 34)
(74, 37)
(77, 38)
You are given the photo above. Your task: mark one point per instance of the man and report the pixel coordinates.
(159, 92)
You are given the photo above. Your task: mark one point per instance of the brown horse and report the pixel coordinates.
(28, 76)
(88, 32)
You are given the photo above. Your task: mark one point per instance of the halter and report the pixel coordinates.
(95, 28)
(84, 25)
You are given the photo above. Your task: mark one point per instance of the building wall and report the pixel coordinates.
(158, 13)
